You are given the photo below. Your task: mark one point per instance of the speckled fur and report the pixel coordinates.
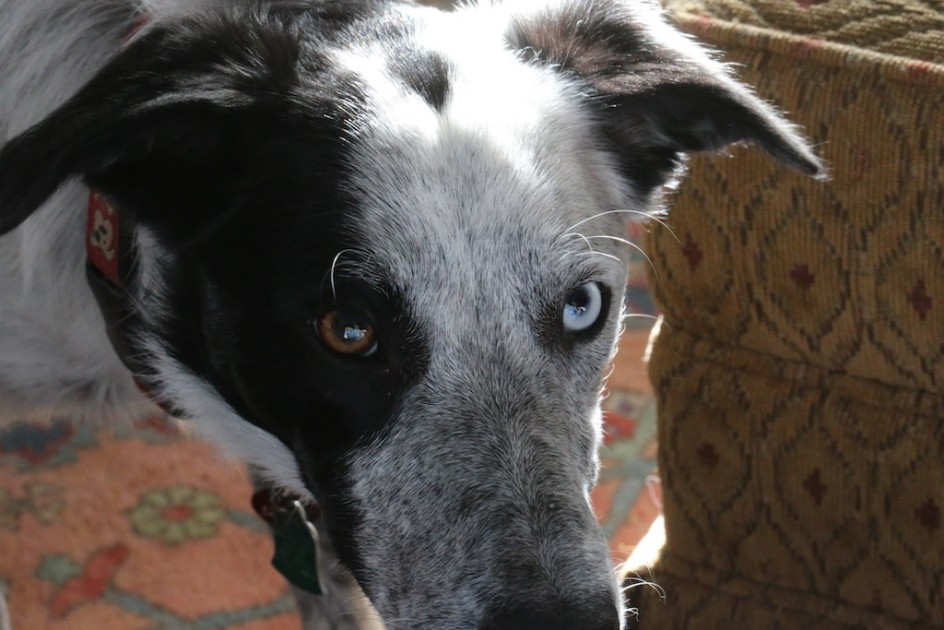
(487, 186)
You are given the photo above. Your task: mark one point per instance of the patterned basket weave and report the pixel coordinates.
(800, 369)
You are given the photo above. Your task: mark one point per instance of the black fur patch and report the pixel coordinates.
(425, 73)
(227, 137)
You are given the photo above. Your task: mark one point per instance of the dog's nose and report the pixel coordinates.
(589, 615)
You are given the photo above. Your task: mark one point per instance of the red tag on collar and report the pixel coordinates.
(102, 246)
(101, 237)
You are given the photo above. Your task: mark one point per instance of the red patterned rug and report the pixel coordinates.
(145, 528)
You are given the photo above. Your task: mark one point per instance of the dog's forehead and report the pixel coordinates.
(469, 160)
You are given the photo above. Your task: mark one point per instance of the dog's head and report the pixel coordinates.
(379, 256)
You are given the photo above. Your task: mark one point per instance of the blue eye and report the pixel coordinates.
(583, 307)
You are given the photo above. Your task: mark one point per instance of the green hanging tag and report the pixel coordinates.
(296, 552)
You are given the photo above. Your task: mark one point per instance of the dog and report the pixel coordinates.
(373, 249)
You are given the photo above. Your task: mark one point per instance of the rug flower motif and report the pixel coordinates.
(177, 514)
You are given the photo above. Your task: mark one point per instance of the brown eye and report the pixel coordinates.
(347, 332)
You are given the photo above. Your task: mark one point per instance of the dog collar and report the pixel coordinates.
(109, 259)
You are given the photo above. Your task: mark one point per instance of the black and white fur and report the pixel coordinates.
(456, 178)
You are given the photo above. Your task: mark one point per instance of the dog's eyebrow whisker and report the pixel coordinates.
(604, 254)
(334, 264)
(634, 246)
(661, 222)
(567, 235)
(563, 259)
(580, 236)
(645, 215)
(613, 238)
(624, 241)
(586, 239)
(603, 214)
(569, 254)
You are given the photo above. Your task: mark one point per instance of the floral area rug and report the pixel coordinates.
(143, 527)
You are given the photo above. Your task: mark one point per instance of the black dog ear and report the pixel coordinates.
(661, 94)
(164, 129)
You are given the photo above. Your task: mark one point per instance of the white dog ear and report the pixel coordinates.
(660, 94)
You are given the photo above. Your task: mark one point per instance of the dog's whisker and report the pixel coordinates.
(643, 214)
(635, 247)
(662, 222)
(618, 239)
(603, 214)
(609, 371)
(604, 254)
(334, 264)
(652, 265)
(637, 581)
(613, 238)
(571, 254)
(626, 316)
(566, 235)
(580, 236)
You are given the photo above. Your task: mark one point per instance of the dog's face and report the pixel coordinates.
(379, 256)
